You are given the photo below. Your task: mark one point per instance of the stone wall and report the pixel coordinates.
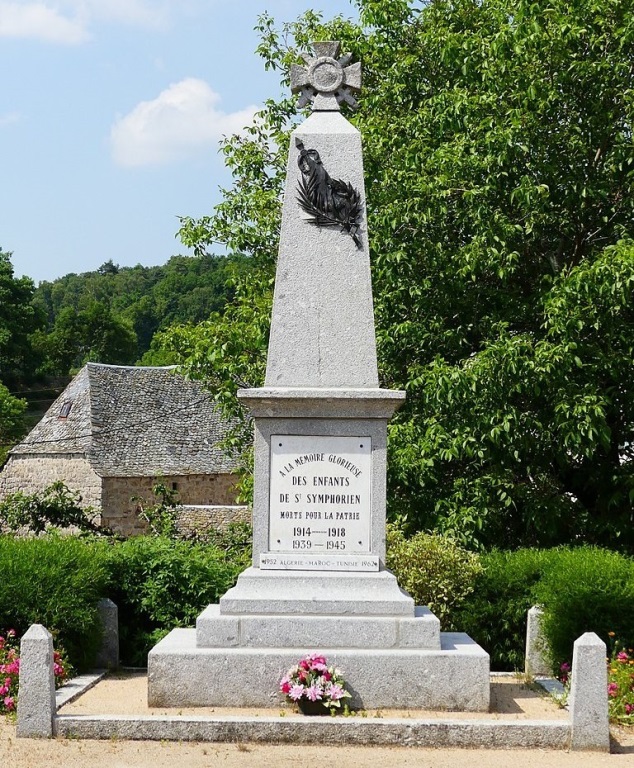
(194, 519)
(119, 512)
(34, 472)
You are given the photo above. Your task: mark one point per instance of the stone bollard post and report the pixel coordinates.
(108, 655)
(36, 692)
(536, 662)
(589, 695)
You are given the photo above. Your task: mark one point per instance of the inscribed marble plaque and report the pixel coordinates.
(320, 495)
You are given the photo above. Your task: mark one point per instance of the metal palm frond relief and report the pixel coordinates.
(328, 202)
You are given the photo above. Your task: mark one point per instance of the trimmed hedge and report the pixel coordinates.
(583, 589)
(57, 582)
(159, 584)
(586, 590)
(494, 615)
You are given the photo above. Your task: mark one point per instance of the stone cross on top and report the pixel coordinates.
(326, 80)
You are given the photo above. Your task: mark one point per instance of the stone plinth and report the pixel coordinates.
(456, 677)
(307, 593)
(214, 630)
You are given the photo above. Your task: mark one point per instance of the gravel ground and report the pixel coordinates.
(127, 694)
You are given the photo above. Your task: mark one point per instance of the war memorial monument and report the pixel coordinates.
(318, 581)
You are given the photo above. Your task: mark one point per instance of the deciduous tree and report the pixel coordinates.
(499, 173)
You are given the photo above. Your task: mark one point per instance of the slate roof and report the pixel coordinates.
(133, 422)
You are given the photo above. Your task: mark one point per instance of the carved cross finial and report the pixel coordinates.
(327, 81)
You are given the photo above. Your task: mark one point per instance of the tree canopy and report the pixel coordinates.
(18, 320)
(499, 169)
(112, 314)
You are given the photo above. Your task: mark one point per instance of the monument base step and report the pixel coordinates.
(316, 593)
(214, 630)
(456, 677)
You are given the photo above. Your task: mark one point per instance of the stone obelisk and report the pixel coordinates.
(321, 418)
(318, 580)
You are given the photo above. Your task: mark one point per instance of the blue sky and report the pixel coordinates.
(110, 115)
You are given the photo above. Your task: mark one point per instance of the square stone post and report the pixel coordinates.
(535, 662)
(589, 695)
(108, 654)
(36, 694)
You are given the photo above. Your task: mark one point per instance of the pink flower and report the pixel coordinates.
(285, 684)
(9, 702)
(58, 670)
(314, 693)
(4, 690)
(629, 708)
(335, 692)
(7, 681)
(613, 689)
(11, 633)
(296, 692)
(622, 656)
(1, 641)
(318, 663)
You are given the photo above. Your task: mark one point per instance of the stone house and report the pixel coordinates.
(116, 430)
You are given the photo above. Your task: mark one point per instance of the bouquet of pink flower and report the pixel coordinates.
(313, 680)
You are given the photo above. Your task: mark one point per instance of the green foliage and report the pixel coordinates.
(159, 584)
(55, 507)
(236, 541)
(111, 315)
(18, 319)
(433, 569)
(494, 615)
(161, 513)
(500, 207)
(12, 424)
(57, 582)
(586, 590)
(94, 334)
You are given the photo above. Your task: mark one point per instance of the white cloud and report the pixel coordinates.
(41, 21)
(10, 118)
(69, 21)
(180, 121)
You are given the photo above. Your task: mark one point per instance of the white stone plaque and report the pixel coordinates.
(284, 562)
(320, 496)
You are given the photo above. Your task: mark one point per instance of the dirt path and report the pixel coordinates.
(127, 696)
(26, 753)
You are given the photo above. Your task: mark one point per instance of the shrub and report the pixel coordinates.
(54, 507)
(159, 584)
(494, 615)
(10, 670)
(586, 590)
(621, 684)
(433, 569)
(56, 582)
(161, 513)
